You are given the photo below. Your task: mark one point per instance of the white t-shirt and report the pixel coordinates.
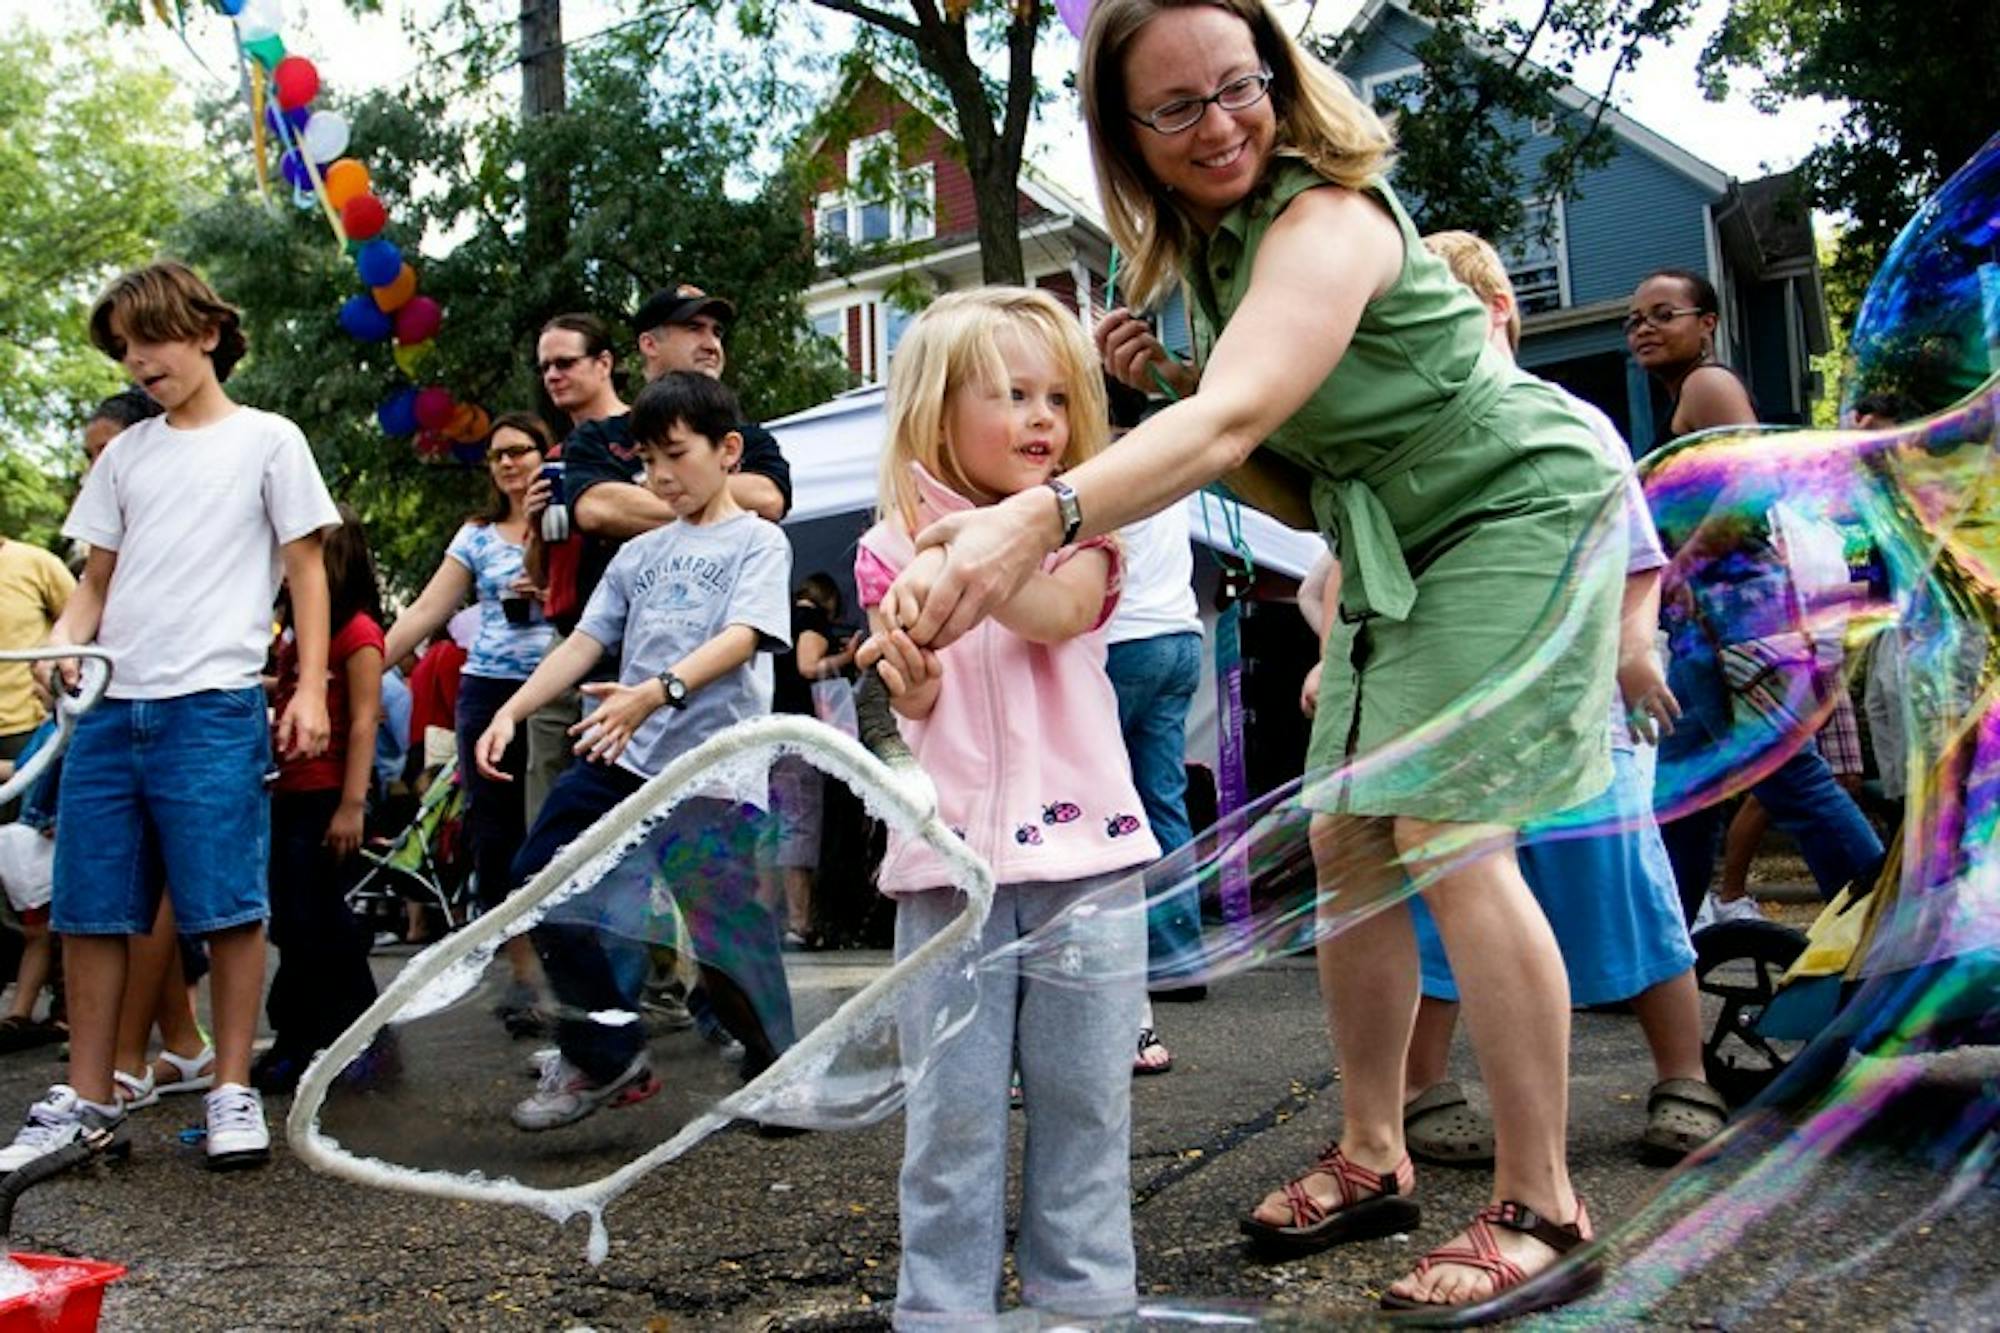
(197, 518)
(1156, 595)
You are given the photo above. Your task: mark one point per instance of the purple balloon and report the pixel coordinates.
(285, 125)
(1075, 14)
(294, 169)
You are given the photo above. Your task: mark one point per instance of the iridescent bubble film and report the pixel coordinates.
(1798, 559)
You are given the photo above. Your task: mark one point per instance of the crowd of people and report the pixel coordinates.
(631, 596)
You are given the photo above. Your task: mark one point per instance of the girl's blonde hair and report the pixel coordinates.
(1320, 121)
(955, 343)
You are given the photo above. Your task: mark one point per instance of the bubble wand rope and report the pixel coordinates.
(892, 785)
(69, 707)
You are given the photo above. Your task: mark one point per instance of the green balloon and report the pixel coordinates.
(267, 50)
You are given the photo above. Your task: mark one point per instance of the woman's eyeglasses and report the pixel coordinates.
(1657, 318)
(512, 451)
(1185, 112)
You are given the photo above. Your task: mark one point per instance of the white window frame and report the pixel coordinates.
(839, 335)
(1558, 211)
(906, 223)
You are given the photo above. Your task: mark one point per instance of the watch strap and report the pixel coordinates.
(1067, 509)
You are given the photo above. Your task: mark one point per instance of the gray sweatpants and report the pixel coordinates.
(1073, 1043)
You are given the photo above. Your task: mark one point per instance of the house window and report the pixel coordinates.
(895, 320)
(868, 211)
(832, 326)
(1394, 90)
(1537, 258)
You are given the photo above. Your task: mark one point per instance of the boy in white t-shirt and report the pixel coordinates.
(191, 519)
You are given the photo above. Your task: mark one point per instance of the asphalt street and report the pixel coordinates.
(1891, 1228)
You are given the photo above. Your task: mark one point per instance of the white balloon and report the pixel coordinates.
(325, 136)
(259, 19)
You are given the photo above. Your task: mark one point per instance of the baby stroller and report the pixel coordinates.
(427, 863)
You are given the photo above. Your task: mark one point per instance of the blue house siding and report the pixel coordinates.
(1392, 45)
(1633, 215)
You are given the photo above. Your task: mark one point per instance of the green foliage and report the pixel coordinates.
(95, 168)
(1917, 78)
(658, 190)
(35, 492)
(1487, 77)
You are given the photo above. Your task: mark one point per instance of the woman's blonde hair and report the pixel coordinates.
(1320, 121)
(955, 343)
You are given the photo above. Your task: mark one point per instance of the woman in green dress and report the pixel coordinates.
(1454, 489)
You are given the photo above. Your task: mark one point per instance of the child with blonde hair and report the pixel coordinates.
(995, 392)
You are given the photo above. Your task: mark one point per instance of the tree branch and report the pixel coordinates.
(868, 14)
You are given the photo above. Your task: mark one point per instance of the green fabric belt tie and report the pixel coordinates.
(1374, 580)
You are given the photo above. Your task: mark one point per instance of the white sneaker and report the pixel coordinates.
(237, 1134)
(1714, 911)
(58, 1120)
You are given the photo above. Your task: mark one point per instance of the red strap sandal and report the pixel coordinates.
(1514, 1292)
(1372, 1204)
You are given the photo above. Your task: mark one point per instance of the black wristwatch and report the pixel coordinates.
(674, 688)
(1067, 509)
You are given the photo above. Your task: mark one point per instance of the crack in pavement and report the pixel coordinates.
(1230, 1137)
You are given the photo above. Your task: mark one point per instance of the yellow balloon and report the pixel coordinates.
(408, 358)
(392, 297)
(345, 179)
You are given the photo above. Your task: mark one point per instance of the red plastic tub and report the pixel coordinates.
(68, 1300)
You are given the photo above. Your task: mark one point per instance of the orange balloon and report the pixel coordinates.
(392, 297)
(460, 428)
(344, 180)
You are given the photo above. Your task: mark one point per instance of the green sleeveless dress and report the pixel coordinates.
(1453, 488)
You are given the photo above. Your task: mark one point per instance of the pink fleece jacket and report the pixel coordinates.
(1023, 746)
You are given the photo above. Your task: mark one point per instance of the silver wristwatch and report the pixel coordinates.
(1067, 509)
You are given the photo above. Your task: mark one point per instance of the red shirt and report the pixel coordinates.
(328, 770)
(434, 690)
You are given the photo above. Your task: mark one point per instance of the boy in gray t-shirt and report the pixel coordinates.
(689, 607)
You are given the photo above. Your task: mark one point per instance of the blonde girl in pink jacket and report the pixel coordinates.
(993, 392)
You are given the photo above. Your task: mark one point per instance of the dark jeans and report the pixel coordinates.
(596, 947)
(496, 812)
(323, 981)
(1838, 842)
(1155, 680)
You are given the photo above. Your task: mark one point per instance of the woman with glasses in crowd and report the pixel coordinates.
(1455, 490)
(485, 562)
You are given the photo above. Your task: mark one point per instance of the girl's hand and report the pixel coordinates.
(343, 835)
(905, 667)
(491, 749)
(1309, 692)
(1650, 707)
(621, 710)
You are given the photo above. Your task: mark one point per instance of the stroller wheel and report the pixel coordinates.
(1736, 969)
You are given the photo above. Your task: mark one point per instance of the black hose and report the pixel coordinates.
(77, 1151)
(876, 721)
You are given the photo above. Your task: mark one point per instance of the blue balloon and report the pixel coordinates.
(379, 261)
(286, 125)
(471, 454)
(294, 169)
(230, 7)
(398, 413)
(363, 319)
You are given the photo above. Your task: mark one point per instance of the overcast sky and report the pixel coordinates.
(1661, 93)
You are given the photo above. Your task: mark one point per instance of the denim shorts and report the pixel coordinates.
(165, 792)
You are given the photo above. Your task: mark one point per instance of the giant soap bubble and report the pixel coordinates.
(655, 901)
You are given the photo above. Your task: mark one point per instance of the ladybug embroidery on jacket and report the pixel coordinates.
(1119, 825)
(1061, 812)
(1028, 835)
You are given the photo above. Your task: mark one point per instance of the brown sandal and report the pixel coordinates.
(1514, 1292)
(1386, 1211)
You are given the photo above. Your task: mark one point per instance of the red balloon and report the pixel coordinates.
(434, 408)
(363, 217)
(417, 320)
(432, 447)
(297, 82)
